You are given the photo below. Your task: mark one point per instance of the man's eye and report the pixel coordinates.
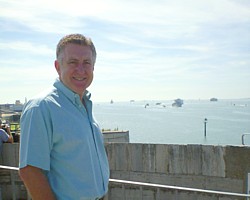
(72, 62)
(87, 62)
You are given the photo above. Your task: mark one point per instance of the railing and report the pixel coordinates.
(156, 186)
(181, 188)
(13, 184)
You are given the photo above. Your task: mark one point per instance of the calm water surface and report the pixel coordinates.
(227, 120)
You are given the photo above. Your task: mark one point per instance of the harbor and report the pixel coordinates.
(162, 123)
(166, 83)
(150, 171)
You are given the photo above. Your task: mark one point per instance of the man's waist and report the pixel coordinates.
(102, 198)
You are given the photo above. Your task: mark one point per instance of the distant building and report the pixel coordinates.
(6, 108)
(17, 107)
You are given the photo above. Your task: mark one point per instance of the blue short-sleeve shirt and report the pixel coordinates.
(3, 138)
(60, 135)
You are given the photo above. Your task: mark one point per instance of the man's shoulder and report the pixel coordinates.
(46, 97)
(45, 94)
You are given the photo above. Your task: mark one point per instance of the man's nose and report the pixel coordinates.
(81, 68)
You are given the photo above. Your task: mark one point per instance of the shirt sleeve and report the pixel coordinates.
(35, 143)
(3, 135)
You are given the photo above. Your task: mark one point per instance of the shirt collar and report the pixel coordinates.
(69, 93)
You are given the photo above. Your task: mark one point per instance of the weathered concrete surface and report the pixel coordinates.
(237, 159)
(10, 157)
(116, 136)
(168, 159)
(221, 168)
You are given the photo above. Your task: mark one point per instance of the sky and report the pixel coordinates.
(146, 49)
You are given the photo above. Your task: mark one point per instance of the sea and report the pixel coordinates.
(221, 122)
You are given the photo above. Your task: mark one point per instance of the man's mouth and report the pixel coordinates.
(79, 78)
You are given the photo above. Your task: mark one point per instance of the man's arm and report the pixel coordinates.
(10, 139)
(36, 183)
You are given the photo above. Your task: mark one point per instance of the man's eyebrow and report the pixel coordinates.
(73, 58)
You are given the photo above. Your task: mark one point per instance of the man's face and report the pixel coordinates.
(75, 68)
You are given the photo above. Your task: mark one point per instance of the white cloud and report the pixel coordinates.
(22, 46)
(174, 44)
(47, 15)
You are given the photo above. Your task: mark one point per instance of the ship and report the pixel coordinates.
(177, 103)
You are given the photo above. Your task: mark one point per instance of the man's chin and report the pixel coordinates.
(80, 92)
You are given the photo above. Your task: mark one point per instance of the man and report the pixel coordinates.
(62, 155)
(5, 134)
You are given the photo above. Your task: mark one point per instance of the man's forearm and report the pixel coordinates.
(10, 139)
(36, 183)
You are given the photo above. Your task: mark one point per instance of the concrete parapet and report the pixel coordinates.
(220, 168)
(11, 185)
(168, 159)
(116, 136)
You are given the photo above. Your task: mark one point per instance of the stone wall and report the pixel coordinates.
(116, 136)
(220, 168)
(9, 179)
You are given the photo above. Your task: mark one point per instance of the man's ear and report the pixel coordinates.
(57, 66)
